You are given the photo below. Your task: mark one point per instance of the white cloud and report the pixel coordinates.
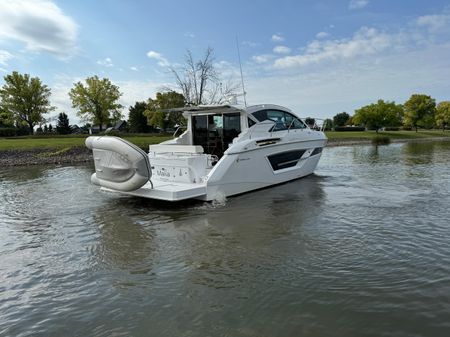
(107, 62)
(262, 58)
(40, 25)
(5, 56)
(367, 41)
(322, 35)
(162, 61)
(357, 4)
(251, 44)
(281, 50)
(189, 34)
(134, 68)
(277, 38)
(435, 23)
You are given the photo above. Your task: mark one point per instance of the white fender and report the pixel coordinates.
(119, 164)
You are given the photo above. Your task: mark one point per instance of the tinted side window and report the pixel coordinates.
(260, 115)
(283, 120)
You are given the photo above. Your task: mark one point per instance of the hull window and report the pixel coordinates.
(317, 150)
(284, 160)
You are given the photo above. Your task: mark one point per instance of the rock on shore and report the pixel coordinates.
(45, 156)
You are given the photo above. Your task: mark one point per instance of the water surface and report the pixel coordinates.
(361, 248)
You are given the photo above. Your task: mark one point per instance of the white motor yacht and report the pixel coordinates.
(225, 150)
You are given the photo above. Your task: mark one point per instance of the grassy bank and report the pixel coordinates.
(67, 142)
(64, 142)
(369, 135)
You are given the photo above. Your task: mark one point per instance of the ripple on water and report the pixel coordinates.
(360, 248)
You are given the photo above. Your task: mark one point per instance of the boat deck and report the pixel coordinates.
(170, 191)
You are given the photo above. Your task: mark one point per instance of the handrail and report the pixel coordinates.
(317, 126)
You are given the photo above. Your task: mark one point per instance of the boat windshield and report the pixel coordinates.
(283, 119)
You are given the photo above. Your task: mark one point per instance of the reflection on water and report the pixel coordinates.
(361, 248)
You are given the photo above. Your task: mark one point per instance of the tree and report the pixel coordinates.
(62, 125)
(6, 118)
(167, 100)
(310, 121)
(328, 123)
(419, 111)
(341, 119)
(378, 115)
(199, 81)
(25, 99)
(442, 115)
(97, 101)
(137, 120)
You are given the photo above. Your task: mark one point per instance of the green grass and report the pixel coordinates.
(67, 142)
(64, 142)
(368, 135)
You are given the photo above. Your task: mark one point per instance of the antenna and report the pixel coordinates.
(240, 67)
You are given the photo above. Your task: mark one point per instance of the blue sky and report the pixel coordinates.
(316, 57)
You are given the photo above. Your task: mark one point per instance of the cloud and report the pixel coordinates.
(189, 34)
(107, 62)
(40, 25)
(366, 41)
(357, 4)
(162, 61)
(134, 68)
(281, 50)
(251, 44)
(262, 58)
(435, 23)
(5, 56)
(322, 35)
(277, 38)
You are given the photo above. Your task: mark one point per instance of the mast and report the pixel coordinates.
(242, 76)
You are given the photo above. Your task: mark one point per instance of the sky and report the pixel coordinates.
(317, 57)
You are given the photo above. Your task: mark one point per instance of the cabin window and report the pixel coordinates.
(283, 120)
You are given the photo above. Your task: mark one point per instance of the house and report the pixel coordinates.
(121, 126)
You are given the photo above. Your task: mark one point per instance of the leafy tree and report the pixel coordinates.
(97, 101)
(340, 119)
(419, 111)
(378, 115)
(6, 118)
(25, 99)
(199, 81)
(328, 124)
(50, 128)
(310, 121)
(442, 116)
(137, 120)
(157, 117)
(62, 125)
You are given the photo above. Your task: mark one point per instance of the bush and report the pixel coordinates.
(391, 128)
(381, 140)
(7, 132)
(349, 128)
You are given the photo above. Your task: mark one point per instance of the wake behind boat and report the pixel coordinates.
(226, 150)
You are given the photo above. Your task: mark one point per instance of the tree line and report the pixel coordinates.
(419, 111)
(25, 100)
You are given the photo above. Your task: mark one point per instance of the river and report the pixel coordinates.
(361, 248)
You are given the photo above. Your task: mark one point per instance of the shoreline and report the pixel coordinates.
(81, 154)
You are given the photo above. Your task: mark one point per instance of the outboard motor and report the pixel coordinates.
(119, 164)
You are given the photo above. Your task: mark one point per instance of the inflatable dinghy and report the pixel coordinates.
(119, 164)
